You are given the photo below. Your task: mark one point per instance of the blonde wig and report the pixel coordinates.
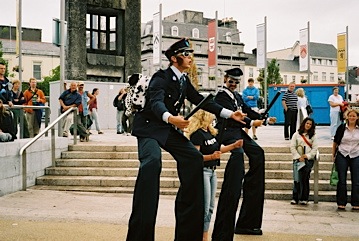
(201, 119)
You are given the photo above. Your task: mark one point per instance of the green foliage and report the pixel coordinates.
(273, 75)
(45, 85)
(3, 61)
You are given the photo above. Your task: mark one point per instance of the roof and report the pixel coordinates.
(322, 50)
(31, 47)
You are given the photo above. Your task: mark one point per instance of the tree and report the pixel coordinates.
(45, 85)
(273, 75)
(3, 61)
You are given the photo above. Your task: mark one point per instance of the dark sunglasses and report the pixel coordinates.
(233, 82)
(185, 53)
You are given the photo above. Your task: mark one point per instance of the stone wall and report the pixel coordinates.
(38, 158)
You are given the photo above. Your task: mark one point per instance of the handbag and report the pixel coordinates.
(309, 108)
(334, 176)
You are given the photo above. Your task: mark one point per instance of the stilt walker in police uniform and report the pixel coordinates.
(250, 217)
(158, 125)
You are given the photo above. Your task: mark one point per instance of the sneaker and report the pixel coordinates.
(303, 202)
(82, 139)
(248, 231)
(287, 138)
(100, 132)
(65, 134)
(293, 202)
(255, 137)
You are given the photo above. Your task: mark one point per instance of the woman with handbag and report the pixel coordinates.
(346, 155)
(304, 147)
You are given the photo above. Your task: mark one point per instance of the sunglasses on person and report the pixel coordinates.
(233, 82)
(185, 53)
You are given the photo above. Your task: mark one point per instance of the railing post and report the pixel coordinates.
(75, 126)
(24, 171)
(53, 146)
(316, 180)
(47, 111)
(22, 127)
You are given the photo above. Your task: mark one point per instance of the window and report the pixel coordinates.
(302, 77)
(195, 33)
(36, 70)
(148, 29)
(219, 49)
(293, 78)
(285, 78)
(198, 48)
(199, 74)
(250, 72)
(174, 31)
(334, 63)
(103, 28)
(313, 61)
(229, 37)
(331, 77)
(319, 61)
(315, 76)
(324, 76)
(330, 62)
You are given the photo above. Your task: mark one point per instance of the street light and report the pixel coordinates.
(229, 34)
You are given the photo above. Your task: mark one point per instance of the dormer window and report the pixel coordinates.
(195, 33)
(174, 31)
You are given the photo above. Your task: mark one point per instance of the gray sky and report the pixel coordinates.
(284, 18)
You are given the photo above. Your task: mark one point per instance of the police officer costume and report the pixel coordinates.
(166, 94)
(250, 217)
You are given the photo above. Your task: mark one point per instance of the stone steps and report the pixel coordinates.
(102, 168)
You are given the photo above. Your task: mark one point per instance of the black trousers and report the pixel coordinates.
(251, 212)
(301, 188)
(290, 121)
(189, 206)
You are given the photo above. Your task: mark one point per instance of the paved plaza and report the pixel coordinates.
(56, 215)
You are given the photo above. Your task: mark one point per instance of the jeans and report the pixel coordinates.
(334, 122)
(119, 116)
(94, 118)
(210, 187)
(342, 163)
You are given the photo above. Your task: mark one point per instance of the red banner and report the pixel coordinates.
(212, 43)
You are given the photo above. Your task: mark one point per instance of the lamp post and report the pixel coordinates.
(230, 35)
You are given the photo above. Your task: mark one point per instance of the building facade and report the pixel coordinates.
(193, 25)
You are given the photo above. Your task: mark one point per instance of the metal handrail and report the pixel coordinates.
(36, 107)
(33, 140)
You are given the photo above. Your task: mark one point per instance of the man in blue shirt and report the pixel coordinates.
(69, 98)
(250, 96)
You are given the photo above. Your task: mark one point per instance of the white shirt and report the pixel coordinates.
(335, 99)
(302, 102)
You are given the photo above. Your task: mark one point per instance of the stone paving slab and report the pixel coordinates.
(55, 215)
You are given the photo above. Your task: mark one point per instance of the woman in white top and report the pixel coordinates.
(301, 104)
(303, 146)
(335, 101)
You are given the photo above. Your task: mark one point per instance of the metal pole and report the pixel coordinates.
(265, 62)
(24, 171)
(53, 146)
(19, 53)
(62, 45)
(308, 53)
(347, 65)
(216, 51)
(160, 44)
(231, 49)
(19, 39)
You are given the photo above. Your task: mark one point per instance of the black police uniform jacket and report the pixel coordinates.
(234, 102)
(162, 96)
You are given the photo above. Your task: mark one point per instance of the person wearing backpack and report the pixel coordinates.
(119, 103)
(157, 126)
